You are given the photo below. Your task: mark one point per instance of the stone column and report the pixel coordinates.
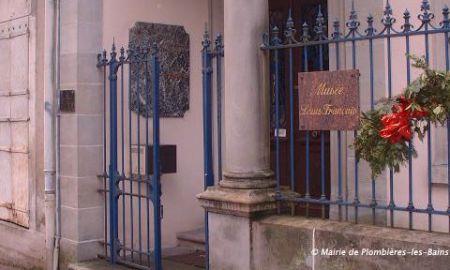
(246, 96)
(247, 188)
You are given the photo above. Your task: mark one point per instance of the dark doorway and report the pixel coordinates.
(302, 11)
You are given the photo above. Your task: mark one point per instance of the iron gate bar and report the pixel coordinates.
(208, 54)
(137, 58)
(207, 129)
(274, 43)
(407, 28)
(113, 181)
(130, 133)
(446, 23)
(156, 158)
(122, 176)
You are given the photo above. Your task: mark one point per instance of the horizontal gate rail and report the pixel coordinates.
(282, 42)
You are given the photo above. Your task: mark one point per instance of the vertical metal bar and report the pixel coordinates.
(447, 68)
(130, 133)
(207, 130)
(322, 147)
(277, 121)
(291, 122)
(391, 173)
(410, 144)
(355, 133)
(207, 118)
(105, 195)
(122, 129)
(307, 141)
(113, 173)
(339, 135)
(430, 175)
(156, 159)
(147, 166)
(219, 55)
(138, 133)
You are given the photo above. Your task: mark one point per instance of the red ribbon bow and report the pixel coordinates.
(397, 125)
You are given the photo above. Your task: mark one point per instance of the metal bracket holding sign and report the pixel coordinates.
(329, 100)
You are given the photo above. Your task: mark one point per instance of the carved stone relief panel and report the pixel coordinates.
(173, 43)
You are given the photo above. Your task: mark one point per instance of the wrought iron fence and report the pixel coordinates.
(132, 192)
(356, 44)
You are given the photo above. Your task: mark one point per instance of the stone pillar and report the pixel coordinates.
(82, 208)
(247, 188)
(246, 97)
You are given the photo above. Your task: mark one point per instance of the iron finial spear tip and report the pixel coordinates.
(206, 32)
(353, 5)
(155, 48)
(425, 5)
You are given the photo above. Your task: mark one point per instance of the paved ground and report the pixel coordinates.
(179, 258)
(103, 265)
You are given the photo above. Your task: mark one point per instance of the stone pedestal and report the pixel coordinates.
(230, 216)
(246, 190)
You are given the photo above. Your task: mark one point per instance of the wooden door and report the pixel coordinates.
(302, 11)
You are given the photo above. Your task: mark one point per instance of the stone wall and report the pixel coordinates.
(287, 242)
(82, 210)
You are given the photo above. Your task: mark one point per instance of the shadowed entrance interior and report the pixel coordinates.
(305, 11)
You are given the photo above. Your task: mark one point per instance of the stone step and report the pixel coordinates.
(194, 239)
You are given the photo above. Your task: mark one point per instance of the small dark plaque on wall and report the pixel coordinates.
(67, 101)
(144, 154)
(173, 43)
(168, 158)
(329, 100)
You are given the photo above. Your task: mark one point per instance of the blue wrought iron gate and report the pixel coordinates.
(132, 191)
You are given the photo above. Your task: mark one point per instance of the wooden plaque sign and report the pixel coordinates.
(329, 100)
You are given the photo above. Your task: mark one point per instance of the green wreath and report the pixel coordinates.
(385, 133)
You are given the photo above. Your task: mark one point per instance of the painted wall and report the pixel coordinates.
(181, 209)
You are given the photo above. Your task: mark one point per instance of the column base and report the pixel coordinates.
(238, 202)
(248, 180)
